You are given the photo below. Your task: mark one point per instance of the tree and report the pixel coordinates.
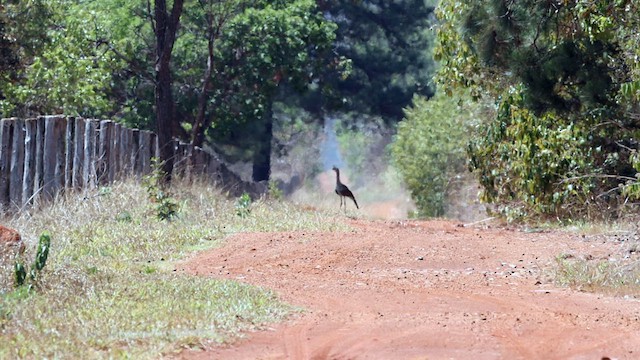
(389, 44)
(429, 148)
(207, 21)
(57, 65)
(116, 58)
(562, 138)
(226, 62)
(165, 27)
(266, 47)
(8, 56)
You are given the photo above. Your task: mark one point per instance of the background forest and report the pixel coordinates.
(539, 99)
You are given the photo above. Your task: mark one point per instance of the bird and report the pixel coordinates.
(343, 191)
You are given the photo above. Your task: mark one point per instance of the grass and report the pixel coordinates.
(617, 274)
(109, 289)
(621, 278)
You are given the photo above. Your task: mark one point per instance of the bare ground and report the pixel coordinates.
(422, 290)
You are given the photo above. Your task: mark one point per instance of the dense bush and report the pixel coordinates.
(566, 80)
(429, 148)
(528, 163)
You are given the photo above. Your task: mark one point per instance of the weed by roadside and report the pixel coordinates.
(616, 274)
(110, 289)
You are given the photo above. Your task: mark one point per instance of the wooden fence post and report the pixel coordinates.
(179, 157)
(53, 155)
(123, 150)
(104, 152)
(78, 153)
(135, 154)
(69, 137)
(30, 148)
(198, 159)
(90, 171)
(144, 152)
(6, 134)
(114, 144)
(38, 181)
(17, 164)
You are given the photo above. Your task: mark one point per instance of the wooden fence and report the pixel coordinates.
(43, 156)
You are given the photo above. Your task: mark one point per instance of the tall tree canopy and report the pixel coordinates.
(57, 66)
(565, 77)
(215, 68)
(210, 70)
(289, 43)
(389, 44)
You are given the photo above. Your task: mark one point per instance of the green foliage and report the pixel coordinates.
(429, 148)
(631, 188)
(389, 44)
(166, 208)
(265, 47)
(533, 164)
(274, 191)
(564, 79)
(20, 273)
(67, 73)
(243, 205)
(42, 253)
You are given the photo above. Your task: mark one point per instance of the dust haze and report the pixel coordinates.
(305, 176)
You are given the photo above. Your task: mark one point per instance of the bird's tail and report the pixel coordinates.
(355, 202)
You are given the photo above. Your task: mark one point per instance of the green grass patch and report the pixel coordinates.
(615, 277)
(109, 289)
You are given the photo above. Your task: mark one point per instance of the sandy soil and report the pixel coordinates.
(423, 290)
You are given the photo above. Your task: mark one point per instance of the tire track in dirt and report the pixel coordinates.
(411, 290)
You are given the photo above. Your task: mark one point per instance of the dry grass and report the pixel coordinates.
(618, 273)
(109, 289)
(608, 276)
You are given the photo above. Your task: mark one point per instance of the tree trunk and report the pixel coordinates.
(166, 26)
(201, 123)
(262, 152)
(164, 120)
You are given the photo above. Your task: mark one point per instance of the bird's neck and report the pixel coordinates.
(337, 176)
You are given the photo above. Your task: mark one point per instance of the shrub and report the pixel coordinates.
(243, 205)
(42, 253)
(166, 207)
(429, 148)
(548, 164)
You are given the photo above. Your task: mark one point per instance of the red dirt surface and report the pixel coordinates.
(423, 290)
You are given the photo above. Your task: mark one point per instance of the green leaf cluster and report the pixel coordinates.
(262, 48)
(533, 164)
(429, 148)
(389, 44)
(63, 69)
(243, 205)
(166, 207)
(564, 78)
(42, 253)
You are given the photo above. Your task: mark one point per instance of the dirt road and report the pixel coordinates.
(423, 290)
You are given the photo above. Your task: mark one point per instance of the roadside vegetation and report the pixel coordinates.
(109, 288)
(609, 276)
(564, 79)
(531, 107)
